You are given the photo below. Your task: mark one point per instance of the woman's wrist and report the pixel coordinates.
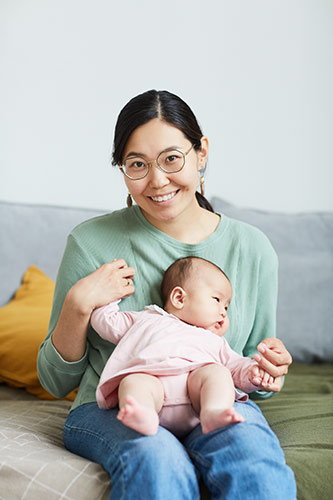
(77, 302)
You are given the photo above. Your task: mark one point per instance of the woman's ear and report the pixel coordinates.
(177, 297)
(203, 153)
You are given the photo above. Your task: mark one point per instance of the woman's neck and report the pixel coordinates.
(191, 227)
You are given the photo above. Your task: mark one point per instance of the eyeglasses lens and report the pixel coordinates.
(169, 161)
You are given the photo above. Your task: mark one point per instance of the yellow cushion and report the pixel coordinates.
(23, 326)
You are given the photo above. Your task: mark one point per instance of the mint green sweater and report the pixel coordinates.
(242, 251)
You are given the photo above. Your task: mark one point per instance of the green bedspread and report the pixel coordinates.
(302, 417)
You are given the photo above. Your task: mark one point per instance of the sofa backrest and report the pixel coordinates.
(33, 234)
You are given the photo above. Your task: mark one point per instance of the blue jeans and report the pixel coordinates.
(236, 462)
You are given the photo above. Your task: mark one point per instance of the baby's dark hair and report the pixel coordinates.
(178, 272)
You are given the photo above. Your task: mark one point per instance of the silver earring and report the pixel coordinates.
(129, 200)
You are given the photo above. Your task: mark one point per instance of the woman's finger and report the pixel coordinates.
(272, 369)
(127, 273)
(119, 263)
(128, 282)
(276, 358)
(277, 346)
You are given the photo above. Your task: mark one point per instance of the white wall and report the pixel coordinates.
(258, 75)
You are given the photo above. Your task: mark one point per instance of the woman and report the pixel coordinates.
(161, 150)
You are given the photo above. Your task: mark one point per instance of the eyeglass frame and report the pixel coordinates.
(121, 167)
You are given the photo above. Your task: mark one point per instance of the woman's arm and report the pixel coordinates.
(110, 282)
(63, 355)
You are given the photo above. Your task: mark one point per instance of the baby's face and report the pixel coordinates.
(207, 300)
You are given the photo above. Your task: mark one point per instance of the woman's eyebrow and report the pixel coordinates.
(169, 148)
(133, 153)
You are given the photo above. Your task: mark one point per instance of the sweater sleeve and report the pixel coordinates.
(264, 323)
(57, 375)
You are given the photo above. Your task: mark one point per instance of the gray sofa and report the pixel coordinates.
(33, 462)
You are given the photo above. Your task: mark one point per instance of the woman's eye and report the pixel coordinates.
(171, 158)
(138, 164)
(135, 164)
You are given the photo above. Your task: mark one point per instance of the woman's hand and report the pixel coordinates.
(274, 359)
(112, 281)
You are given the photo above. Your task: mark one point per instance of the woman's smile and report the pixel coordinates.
(162, 198)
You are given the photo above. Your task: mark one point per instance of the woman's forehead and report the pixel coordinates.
(153, 137)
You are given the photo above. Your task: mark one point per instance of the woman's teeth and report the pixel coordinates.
(163, 198)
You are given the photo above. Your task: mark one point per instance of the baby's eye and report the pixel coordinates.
(217, 299)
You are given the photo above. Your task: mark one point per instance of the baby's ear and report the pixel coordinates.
(177, 297)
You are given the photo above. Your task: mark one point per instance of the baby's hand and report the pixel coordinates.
(261, 378)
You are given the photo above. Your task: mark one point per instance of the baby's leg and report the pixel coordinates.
(140, 400)
(212, 394)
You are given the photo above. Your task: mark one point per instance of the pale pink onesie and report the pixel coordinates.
(158, 343)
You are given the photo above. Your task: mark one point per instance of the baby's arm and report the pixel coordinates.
(110, 323)
(246, 374)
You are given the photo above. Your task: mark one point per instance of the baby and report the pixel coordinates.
(172, 366)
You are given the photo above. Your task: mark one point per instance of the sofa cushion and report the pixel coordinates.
(23, 326)
(304, 244)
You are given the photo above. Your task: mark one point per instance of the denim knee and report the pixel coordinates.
(244, 457)
(161, 463)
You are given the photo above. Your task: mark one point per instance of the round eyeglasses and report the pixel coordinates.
(169, 161)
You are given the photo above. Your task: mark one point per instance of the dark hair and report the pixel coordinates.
(178, 272)
(157, 104)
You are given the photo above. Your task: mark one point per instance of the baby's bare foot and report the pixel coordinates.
(212, 419)
(138, 417)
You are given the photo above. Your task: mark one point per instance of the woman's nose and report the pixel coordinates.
(156, 177)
